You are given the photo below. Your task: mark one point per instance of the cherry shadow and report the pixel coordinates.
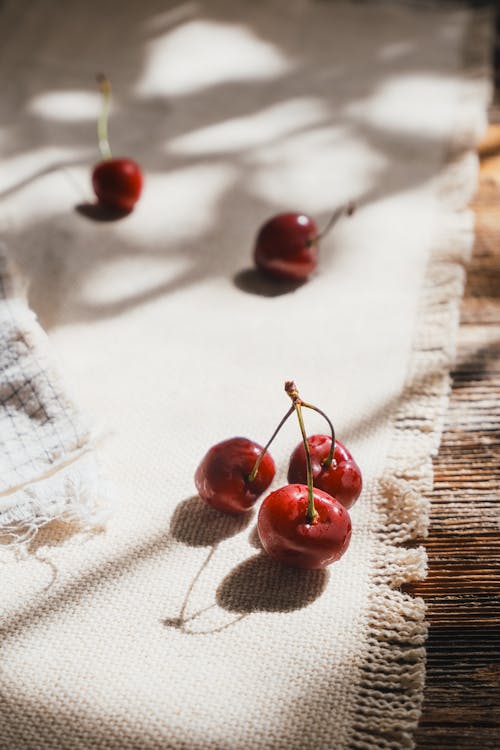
(101, 214)
(260, 584)
(198, 525)
(252, 281)
(57, 166)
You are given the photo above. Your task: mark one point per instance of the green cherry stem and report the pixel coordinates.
(328, 460)
(297, 404)
(348, 210)
(292, 391)
(102, 123)
(255, 469)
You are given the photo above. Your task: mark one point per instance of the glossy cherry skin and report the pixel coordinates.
(222, 476)
(286, 247)
(117, 183)
(286, 535)
(342, 480)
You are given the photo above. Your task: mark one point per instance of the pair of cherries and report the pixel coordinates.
(304, 524)
(287, 246)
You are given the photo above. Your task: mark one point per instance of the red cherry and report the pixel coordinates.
(222, 478)
(117, 183)
(287, 536)
(342, 479)
(286, 247)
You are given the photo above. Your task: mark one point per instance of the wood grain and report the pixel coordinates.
(462, 697)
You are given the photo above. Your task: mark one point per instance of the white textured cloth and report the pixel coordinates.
(173, 630)
(48, 470)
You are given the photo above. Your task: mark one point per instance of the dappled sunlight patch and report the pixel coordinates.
(315, 170)
(178, 205)
(66, 106)
(158, 22)
(129, 276)
(383, 105)
(254, 130)
(201, 53)
(397, 50)
(27, 165)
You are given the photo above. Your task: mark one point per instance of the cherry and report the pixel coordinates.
(341, 478)
(287, 245)
(117, 182)
(289, 536)
(233, 474)
(300, 525)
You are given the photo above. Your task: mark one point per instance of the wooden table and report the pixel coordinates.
(462, 698)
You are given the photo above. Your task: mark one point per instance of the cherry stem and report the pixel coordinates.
(328, 460)
(292, 391)
(102, 123)
(348, 210)
(255, 469)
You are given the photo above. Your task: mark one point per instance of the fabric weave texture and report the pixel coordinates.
(172, 630)
(48, 470)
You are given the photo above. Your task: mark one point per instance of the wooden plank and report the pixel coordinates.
(462, 697)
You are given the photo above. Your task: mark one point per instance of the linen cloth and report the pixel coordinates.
(173, 630)
(48, 470)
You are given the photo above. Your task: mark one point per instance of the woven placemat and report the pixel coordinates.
(173, 629)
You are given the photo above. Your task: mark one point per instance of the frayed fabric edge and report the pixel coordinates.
(72, 494)
(391, 687)
(73, 489)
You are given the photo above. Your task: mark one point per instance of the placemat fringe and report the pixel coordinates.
(391, 690)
